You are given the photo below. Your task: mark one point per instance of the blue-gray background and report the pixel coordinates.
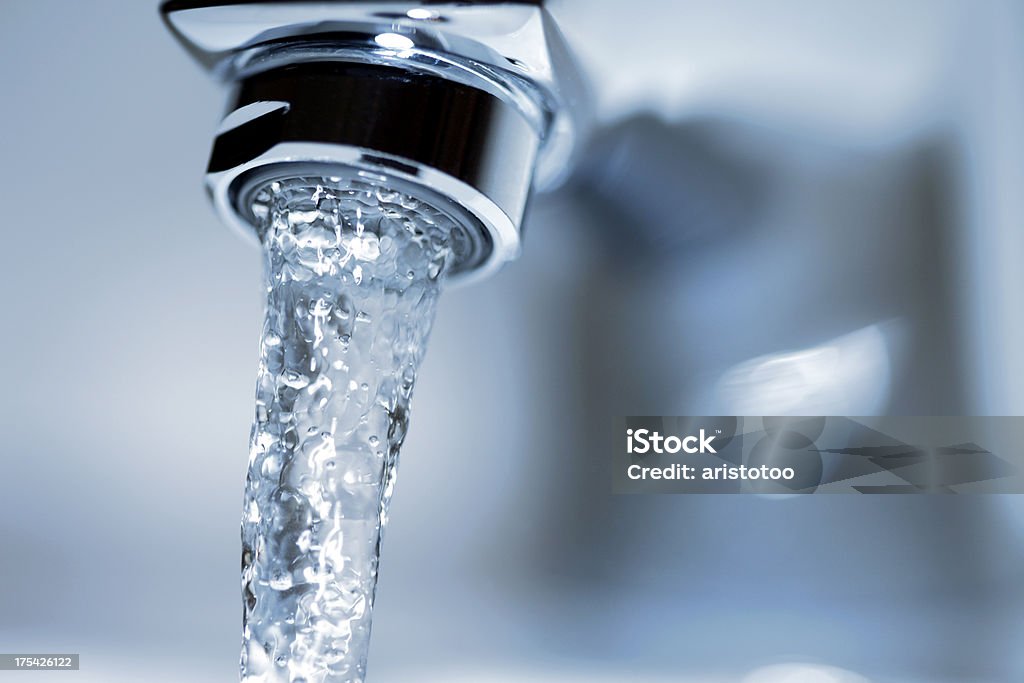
(792, 208)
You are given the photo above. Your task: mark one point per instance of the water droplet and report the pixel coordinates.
(281, 581)
(364, 247)
(320, 308)
(271, 466)
(305, 541)
(293, 379)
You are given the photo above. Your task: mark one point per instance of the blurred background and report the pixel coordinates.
(787, 208)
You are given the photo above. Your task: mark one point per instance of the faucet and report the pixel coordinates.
(464, 106)
(372, 148)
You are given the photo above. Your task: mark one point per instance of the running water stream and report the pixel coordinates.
(353, 274)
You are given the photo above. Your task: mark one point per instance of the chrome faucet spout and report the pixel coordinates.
(466, 107)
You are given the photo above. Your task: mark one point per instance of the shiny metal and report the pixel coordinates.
(470, 103)
(430, 135)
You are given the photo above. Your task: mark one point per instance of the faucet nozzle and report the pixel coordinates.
(464, 106)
